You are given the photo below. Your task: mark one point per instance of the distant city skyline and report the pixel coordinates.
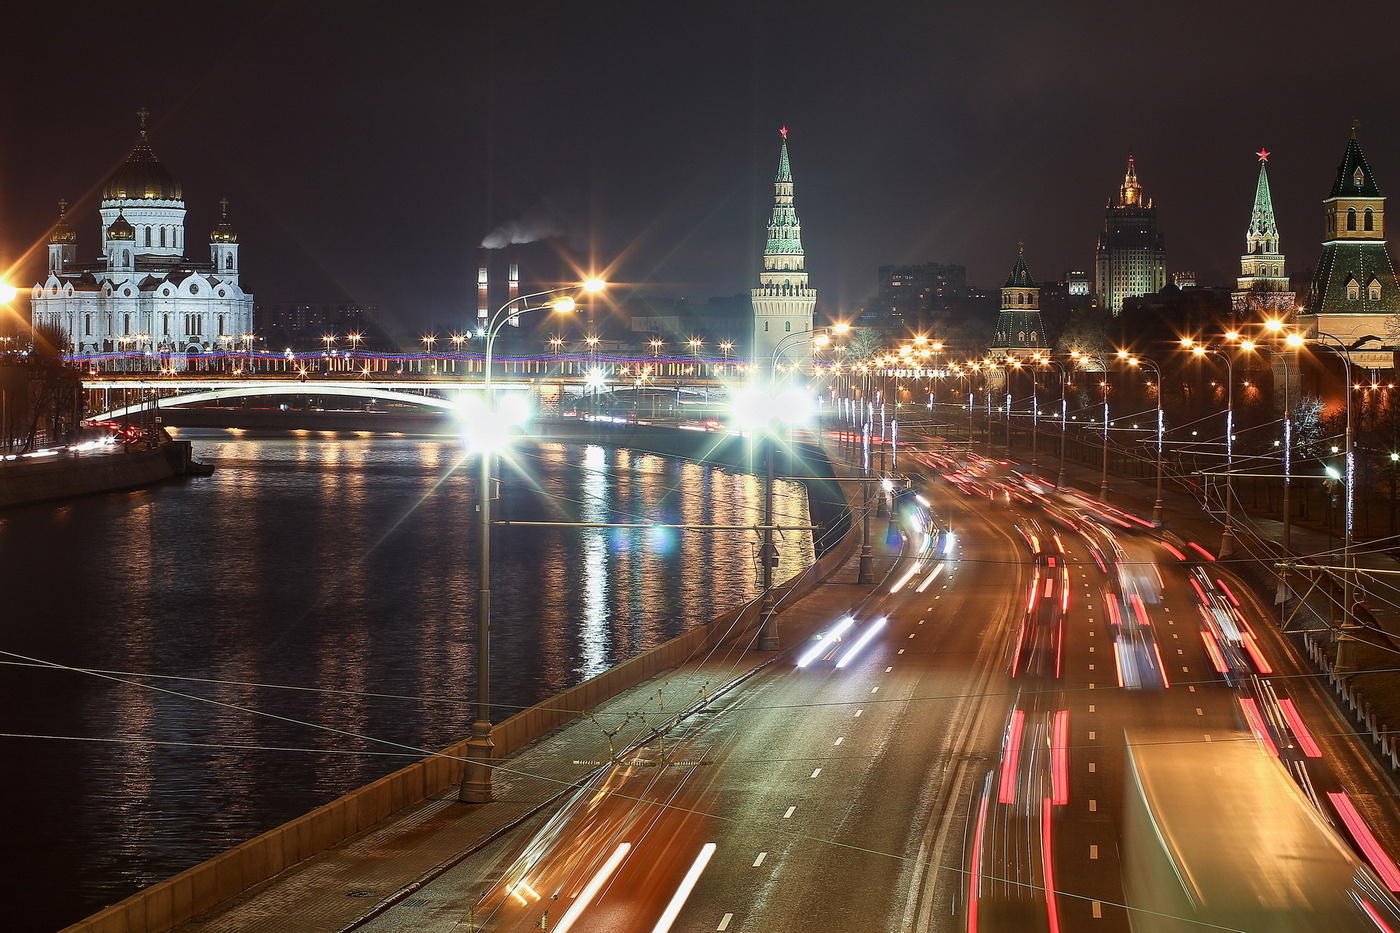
(379, 187)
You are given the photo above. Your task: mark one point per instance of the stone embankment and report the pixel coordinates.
(65, 475)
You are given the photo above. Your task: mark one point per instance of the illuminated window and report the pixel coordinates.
(1359, 177)
(1353, 290)
(1374, 290)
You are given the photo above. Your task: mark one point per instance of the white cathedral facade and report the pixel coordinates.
(142, 294)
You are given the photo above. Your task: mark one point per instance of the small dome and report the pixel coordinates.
(121, 229)
(62, 231)
(142, 176)
(223, 231)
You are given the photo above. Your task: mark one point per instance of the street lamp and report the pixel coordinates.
(655, 348)
(477, 775)
(1149, 365)
(1200, 350)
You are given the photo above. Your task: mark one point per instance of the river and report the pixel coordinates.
(323, 577)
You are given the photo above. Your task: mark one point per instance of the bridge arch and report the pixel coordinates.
(345, 390)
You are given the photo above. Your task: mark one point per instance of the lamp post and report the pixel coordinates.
(1136, 361)
(1291, 343)
(476, 777)
(1199, 350)
(1345, 658)
(1064, 412)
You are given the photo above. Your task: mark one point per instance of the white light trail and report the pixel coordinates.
(861, 642)
(590, 890)
(931, 577)
(688, 883)
(825, 641)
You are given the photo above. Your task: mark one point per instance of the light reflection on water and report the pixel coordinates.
(341, 563)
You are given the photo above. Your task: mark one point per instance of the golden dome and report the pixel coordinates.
(142, 176)
(121, 229)
(223, 231)
(62, 231)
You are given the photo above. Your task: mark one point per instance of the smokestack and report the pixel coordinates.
(513, 289)
(483, 288)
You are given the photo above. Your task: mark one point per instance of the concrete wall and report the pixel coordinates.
(195, 890)
(66, 475)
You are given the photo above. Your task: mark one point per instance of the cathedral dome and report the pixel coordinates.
(63, 231)
(121, 229)
(142, 176)
(223, 231)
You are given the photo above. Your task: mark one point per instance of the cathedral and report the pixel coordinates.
(142, 293)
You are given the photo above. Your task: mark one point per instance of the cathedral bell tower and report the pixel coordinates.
(783, 302)
(223, 246)
(63, 242)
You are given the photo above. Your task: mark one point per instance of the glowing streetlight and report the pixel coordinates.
(355, 340)
(7, 293)
(655, 348)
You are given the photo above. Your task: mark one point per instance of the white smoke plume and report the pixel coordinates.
(534, 225)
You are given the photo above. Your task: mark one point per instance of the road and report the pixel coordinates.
(977, 732)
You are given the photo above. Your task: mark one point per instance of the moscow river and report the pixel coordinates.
(324, 577)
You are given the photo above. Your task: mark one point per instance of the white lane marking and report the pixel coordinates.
(1185, 670)
(591, 889)
(724, 921)
(888, 669)
(1093, 767)
(839, 741)
(874, 689)
(788, 814)
(1207, 736)
(901, 650)
(1175, 635)
(1097, 907)
(1091, 649)
(859, 711)
(1091, 686)
(759, 861)
(1093, 852)
(1200, 712)
(1091, 707)
(1091, 667)
(688, 883)
(921, 621)
(816, 772)
(1179, 651)
(911, 634)
(1191, 688)
(1092, 733)
(1093, 805)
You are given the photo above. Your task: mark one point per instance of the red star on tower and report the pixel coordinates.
(783, 132)
(1263, 155)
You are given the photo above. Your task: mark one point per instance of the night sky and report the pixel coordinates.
(368, 148)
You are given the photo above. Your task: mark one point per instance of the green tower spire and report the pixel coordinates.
(784, 230)
(783, 301)
(1262, 285)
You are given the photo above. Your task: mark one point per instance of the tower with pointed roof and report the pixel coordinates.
(143, 293)
(783, 302)
(1131, 258)
(1262, 286)
(1354, 291)
(1019, 329)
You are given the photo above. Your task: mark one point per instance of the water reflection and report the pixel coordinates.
(340, 565)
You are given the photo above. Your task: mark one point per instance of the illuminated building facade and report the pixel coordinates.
(142, 293)
(783, 302)
(1354, 291)
(1131, 258)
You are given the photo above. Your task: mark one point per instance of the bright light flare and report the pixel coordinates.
(688, 883)
(7, 293)
(488, 430)
(757, 409)
(825, 640)
(862, 641)
(594, 285)
(1380, 861)
(590, 890)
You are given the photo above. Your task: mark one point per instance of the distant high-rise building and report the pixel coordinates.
(1131, 258)
(911, 297)
(1077, 284)
(783, 302)
(1354, 290)
(1184, 279)
(1019, 329)
(1262, 286)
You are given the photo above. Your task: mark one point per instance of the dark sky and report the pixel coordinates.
(368, 147)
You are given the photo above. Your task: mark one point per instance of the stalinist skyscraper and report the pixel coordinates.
(783, 302)
(1132, 255)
